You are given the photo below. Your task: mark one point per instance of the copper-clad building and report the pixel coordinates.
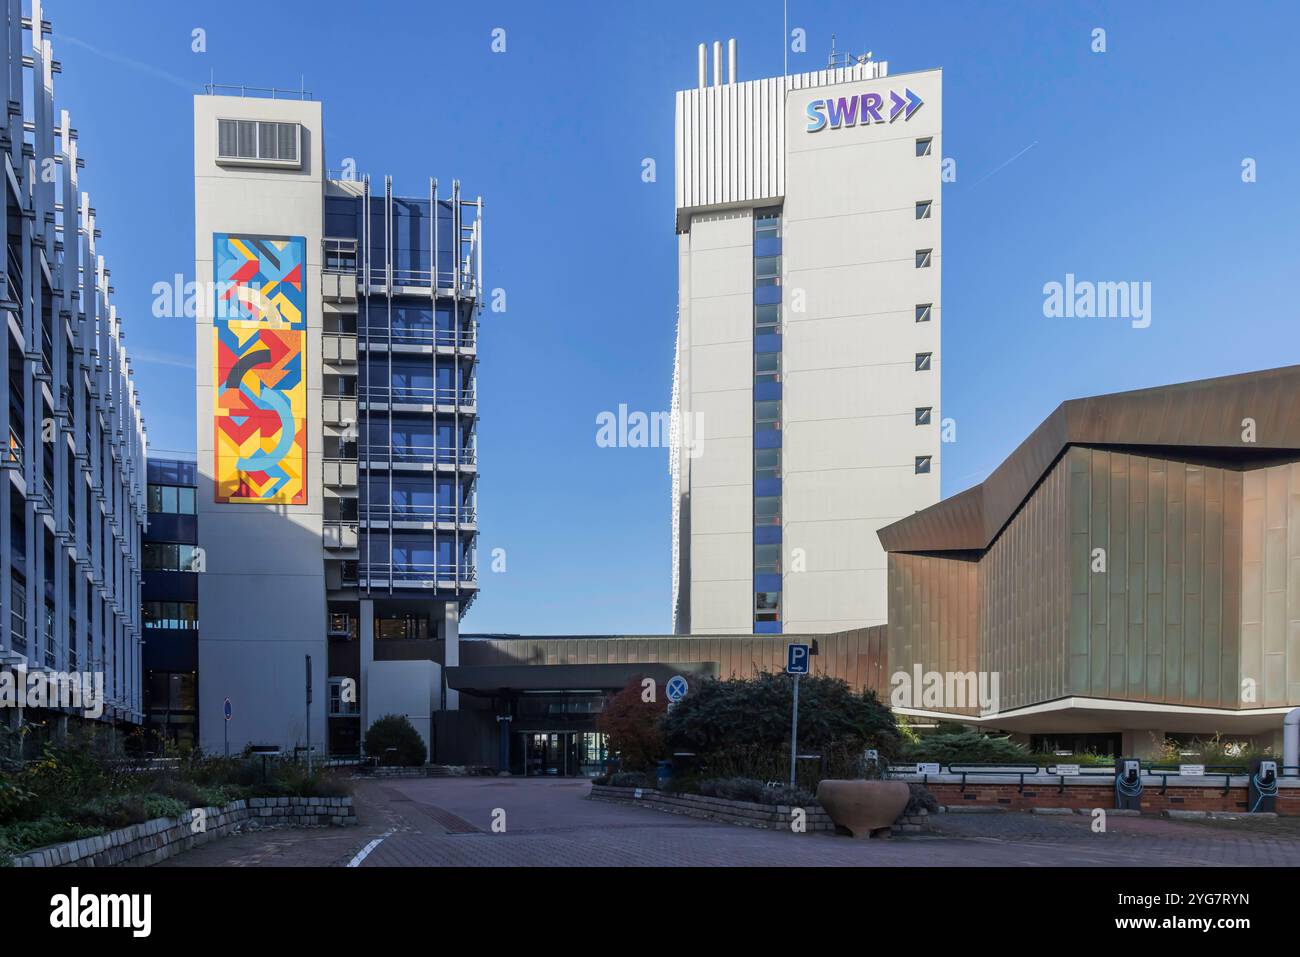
(1131, 570)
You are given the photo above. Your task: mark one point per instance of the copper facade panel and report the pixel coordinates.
(1205, 415)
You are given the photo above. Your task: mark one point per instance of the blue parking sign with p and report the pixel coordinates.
(796, 659)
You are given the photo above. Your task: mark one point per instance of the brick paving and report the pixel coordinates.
(448, 822)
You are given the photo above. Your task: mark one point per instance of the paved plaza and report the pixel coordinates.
(448, 822)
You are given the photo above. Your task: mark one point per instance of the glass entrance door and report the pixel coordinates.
(547, 753)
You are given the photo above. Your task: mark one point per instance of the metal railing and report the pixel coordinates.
(418, 513)
(418, 394)
(424, 278)
(416, 571)
(418, 454)
(268, 92)
(421, 336)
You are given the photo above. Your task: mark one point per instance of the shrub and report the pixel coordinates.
(632, 725)
(22, 836)
(753, 714)
(754, 791)
(965, 747)
(920, 798)
(394, 741)
(631, 779)
(125, 810)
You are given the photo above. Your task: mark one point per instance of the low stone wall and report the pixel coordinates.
(428, 771)
(746, 813)
(775, 816)
(152, 841)
(1088, 792)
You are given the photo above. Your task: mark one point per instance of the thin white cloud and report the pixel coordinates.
(128, 62)
(160, 359)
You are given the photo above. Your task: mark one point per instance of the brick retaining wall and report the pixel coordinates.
(152, 841)
(1045, 791)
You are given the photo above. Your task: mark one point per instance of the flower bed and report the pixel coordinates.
(153, 841)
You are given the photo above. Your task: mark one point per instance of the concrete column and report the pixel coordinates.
(366, 634)
(451, 650)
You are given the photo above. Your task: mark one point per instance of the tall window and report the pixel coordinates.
(767, 420)
(171, 500)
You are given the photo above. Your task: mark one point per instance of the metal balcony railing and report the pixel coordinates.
(415, 572)
(403, 512)
(423, 336)
(418, 394)
(424, 278)
(418, 454)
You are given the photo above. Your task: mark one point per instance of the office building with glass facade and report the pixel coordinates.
(170, 610)
(336, 431)
(72, 484)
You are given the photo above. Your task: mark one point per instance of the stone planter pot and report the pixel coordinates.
(863, 806)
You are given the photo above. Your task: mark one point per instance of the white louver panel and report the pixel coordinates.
(730, 140)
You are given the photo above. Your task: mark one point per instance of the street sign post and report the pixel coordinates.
(309, 714)
(796, 664)
(229, 712)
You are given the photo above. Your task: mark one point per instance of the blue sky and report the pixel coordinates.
(1123, 165)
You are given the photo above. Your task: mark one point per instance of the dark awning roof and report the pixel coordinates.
(1202, 418)
(491, 679)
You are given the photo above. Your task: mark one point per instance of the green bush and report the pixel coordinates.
(394, 741)
(124, 810)
(739, 713)
(920, 798)
(965, 747)
(22, 836)
(754, 791)
(631, 779)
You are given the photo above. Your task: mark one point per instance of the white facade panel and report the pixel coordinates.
(850, 387)
(263, 594)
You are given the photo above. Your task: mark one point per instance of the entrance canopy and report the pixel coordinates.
(492, 680)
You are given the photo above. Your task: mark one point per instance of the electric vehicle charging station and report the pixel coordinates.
(1261, 789)
(1128, 784)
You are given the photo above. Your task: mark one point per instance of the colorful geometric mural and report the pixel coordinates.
(259, 333)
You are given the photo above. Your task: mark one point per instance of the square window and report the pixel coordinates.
(923, 415)
(767, 223)
(923, 311)
(767, 510)
(923, 209)
(767, 271)
(767, 601)
(767, 463)
(767, 559)
(924, 145)
(923, 258)
(767, 317)
(922, 465)
(767, 413)
(923, 361)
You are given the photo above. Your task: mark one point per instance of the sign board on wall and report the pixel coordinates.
(862, 109)
(259, 336)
